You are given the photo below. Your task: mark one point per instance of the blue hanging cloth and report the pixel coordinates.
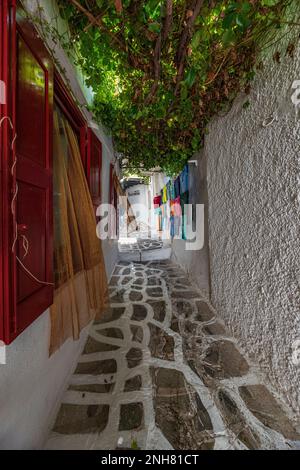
(184, 180)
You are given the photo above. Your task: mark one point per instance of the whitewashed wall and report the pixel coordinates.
(253, 158)
(31, 383)
(139, 198)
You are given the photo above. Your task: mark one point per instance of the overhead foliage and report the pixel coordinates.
(160, 69)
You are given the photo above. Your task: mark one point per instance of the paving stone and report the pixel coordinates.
(134, 357)
(161, 345)
(139, 312)
(126, 271)
(236, 422)
(190, 328)
(185, 294)
(175, 324)
(81, 419)
(93, 388)
(137, 333)
(223, 361)
(154, 291)
(184, 309)
(215, 328)
(93, 346)
(110, 314)
(131, 417)
(204, 312)
(133, 296)
(159, 309)
(117, 296)
(126, 280)
(182, 281)
(153, 281)
(117, 270)
(112, 332)
(150, 272)
(134, 384)
(138, 282)
(108, 366)
(266, 409)
(179, 412)
(114, 280)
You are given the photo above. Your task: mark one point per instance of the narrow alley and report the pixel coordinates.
(160, 371)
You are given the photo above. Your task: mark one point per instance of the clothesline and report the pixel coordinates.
(169, 205)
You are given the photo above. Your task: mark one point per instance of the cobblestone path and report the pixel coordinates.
(159, 371)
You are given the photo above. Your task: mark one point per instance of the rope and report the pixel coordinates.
(26, 244)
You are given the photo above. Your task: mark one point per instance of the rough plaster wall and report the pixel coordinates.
(254, 197)
(31, 385)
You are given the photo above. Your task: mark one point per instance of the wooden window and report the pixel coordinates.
(93, 167)
(26, 174)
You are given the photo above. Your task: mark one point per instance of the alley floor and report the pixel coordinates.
(159, 371)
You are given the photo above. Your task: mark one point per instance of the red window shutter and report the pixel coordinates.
(94, 167)
(29, 277)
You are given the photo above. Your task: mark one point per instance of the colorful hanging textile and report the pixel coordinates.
(165, 219)
(184, 199)
(184, 179)
(177, 206)
(176, 210)
(169, 189)
(177, 186)
(172, 216)
(172, 190)
(157, 201)
(164, 195)
(172, 226)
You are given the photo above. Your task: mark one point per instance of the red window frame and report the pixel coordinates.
(20, 305)
(13, 22)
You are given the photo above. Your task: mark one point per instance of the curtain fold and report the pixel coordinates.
(81, 291)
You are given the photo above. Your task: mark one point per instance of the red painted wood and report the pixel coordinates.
(30, 82)
(94, 167)
(7, 264)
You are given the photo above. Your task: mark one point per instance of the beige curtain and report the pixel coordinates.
(81, 291)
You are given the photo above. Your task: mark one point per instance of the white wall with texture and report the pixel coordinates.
(253, 174)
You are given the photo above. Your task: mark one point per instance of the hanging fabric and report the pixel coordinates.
(169, 190)
(172, 191)
(177, 186)
(184, 179)
(164, 195)
(177, 217)
(156, 201)
(172, 218)
(81, 290)
(184, 199)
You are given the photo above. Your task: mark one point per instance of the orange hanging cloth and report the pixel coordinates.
(81, 290)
